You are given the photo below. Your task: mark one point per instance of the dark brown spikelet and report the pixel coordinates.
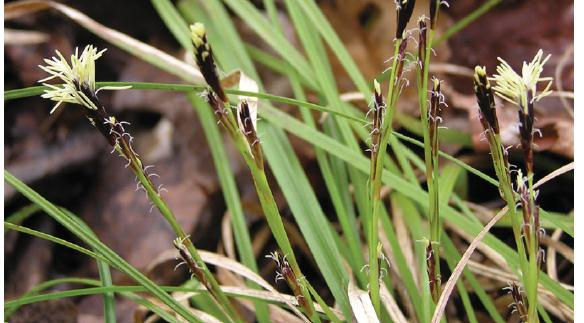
(526, 208)
(434, 9)
(110, 128)
(434, 4)
(422, 45)
(404, 9)
(431, 268)
(401, 54)
(526, 119)
(518, 303)
(285, 272)
(205, 60)
(434, 113)
(214, 102)
(97, 117)
(486, 100)
(247, 127)
(377, 111)
(377, 119)
(186, 258)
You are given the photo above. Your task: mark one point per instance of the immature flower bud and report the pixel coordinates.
(434, 4)
(285, 272)
(526, 206)
(404, 9)
(434, 8)
(205, 60)
(401, 54)
(434, 117)
(433, 279)
(247, 122)
(486, 100)
(377, 119)
(187, 259)
(526, 120)
(518, 304)
(422, 37)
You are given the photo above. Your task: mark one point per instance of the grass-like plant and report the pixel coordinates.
(351, 258)
(79, 88)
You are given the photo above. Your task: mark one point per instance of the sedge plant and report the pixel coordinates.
(79, 88)
(380, 135)
(430, 117)
(520, 90)
(241, 126)
(238, 118)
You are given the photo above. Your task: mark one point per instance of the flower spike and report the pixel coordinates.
(205, 60)
(78, 77)
(485, 99)
(515, 88)
(404, 9)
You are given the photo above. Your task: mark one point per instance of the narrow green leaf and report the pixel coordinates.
(99, 247)
(19, 216)
(109, 307)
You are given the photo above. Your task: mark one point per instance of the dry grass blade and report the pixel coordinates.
(361, 305)
(559, 246)
(24, 37)
(391, 306)
(564, 169)
(489, 252)
(229, 264)
(134, 46)
(441, 305)
(233, 266)
(551, 256)
(547, 299)
(182, 297)
(227, 236)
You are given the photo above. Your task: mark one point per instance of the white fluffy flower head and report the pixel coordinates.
(77, 76)
(515, 88)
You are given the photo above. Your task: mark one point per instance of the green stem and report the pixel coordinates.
(525, 265)
(375, 186)
(431, 160)
(254, 160)
(533, 276)
(162, 206)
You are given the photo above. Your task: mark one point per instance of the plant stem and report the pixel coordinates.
(249, 147)
(124, 149)
(377, 155)
(431, 159)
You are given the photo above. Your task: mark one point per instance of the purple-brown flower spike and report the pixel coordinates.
(187, 259)
(247, 122)
(434, 8)
(285, 272)
(404, 9)
(486, 100)
(401, 54)
(205, 60)
(518, 303)
(377, 119)
(434, 114)
(422, 43)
